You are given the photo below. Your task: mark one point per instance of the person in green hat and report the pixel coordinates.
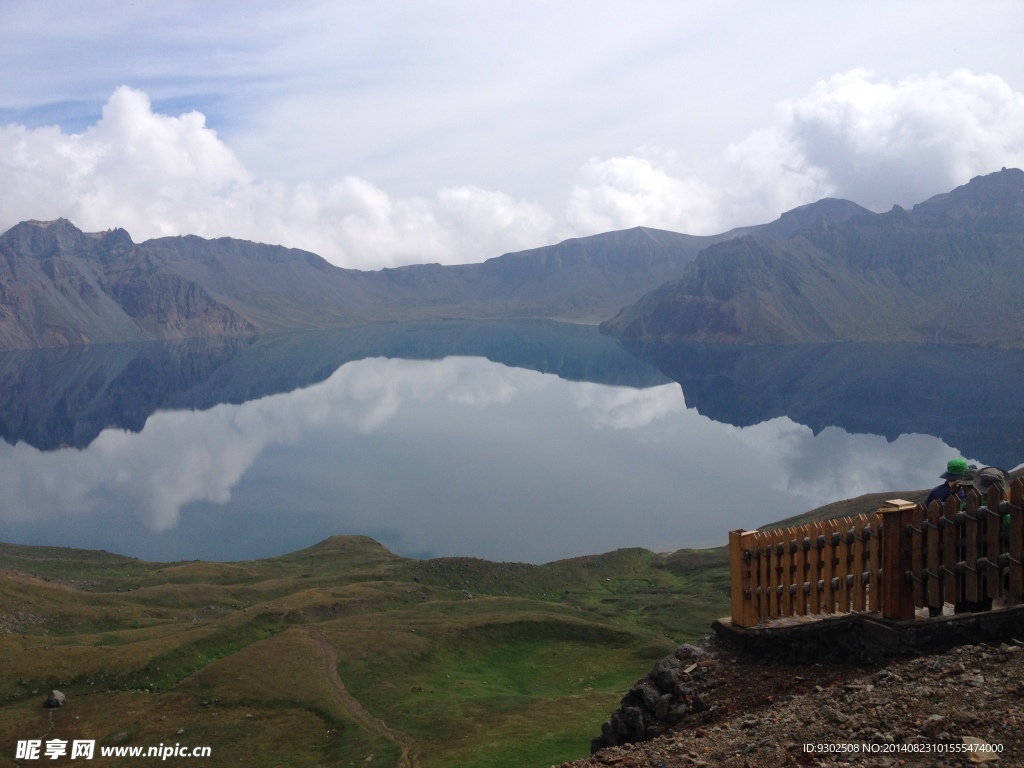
(954, 473)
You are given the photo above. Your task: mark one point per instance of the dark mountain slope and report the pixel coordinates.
(276, 288)
(60, 286)
(947, 271)
(582, 279)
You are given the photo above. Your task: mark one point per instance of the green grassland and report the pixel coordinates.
(446, 662)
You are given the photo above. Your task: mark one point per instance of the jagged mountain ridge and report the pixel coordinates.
(60, 286)
(947, 271)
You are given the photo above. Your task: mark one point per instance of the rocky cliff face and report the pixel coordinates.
(946, 272)
(60, 286)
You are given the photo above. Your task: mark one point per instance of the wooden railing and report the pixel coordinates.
(901, 558)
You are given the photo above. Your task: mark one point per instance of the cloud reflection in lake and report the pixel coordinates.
(458, 456)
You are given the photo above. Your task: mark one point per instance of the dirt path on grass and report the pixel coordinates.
(410, 753)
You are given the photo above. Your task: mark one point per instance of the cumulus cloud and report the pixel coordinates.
(881, 143)
(856, 136)
(158, 175)
(623, 192)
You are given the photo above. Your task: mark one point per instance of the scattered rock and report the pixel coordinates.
(834, 716)
(734, 710)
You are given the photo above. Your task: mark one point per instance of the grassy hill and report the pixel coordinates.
(340, 654)
(345, 653)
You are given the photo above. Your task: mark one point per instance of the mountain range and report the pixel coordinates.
(944, 272)
(947, 271)
(60, 286)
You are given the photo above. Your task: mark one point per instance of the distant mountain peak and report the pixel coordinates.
(830, 210)
(946, 271)
(44, 238)
(994, 194)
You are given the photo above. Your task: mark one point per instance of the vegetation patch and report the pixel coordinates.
(342, 653)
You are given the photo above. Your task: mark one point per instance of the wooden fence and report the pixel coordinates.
(900, 558)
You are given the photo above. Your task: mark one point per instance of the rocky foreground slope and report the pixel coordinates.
(959, 708)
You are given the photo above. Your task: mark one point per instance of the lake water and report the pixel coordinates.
(510, 441)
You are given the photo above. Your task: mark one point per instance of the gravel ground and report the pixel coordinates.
(963, 707)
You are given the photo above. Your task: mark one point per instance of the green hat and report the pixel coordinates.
(955, 469)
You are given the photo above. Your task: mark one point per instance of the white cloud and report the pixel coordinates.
(157, 175)
(490, 223)
(874, 141)
(623, 192)
(855, 136)
(881, 142)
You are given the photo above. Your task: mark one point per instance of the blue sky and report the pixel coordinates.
(379, 134)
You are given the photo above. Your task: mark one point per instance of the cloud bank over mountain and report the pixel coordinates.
(853, 136)
(875, 141)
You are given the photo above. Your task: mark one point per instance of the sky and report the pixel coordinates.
(381, 134)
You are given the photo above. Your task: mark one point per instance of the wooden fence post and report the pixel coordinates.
(917, 555)
(859, 566)
(933, 566)
(802, 568)
(993, 535)
(788, 595)
(875, 563)
(972, 582)
(743, 613)
(1016, 543)
(952, 585)
(826, 596)
(843, 566)
(897, 593)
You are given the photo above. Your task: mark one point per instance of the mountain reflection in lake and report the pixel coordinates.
(454, 456)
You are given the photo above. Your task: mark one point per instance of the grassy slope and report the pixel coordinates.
(477, 663)
(472, 662)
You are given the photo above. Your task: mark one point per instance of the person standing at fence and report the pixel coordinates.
(954, 473)
(982, 481)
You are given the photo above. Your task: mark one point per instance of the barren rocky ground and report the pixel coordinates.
(959, 708)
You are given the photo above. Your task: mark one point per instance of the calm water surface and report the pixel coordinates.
(422, 438)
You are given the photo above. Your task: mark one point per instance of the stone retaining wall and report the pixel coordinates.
(867, 638)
